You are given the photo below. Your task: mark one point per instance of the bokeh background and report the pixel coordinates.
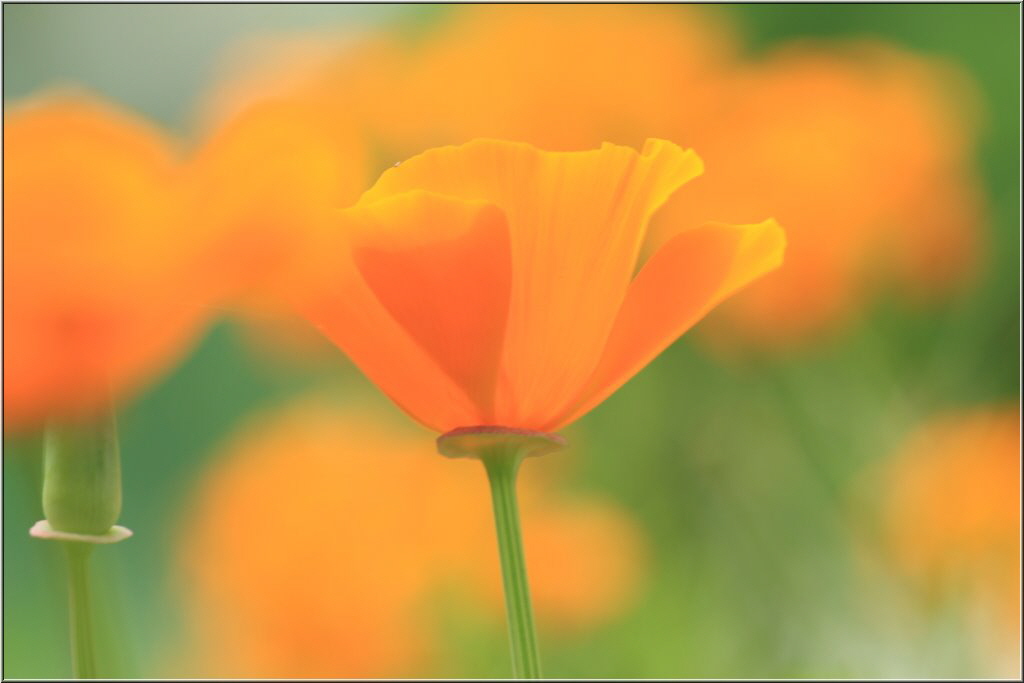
(844, 504)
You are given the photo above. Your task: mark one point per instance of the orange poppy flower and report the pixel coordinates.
(950, 515)
(275, 590)
(494, 283)
(100, 290)
(862, 152)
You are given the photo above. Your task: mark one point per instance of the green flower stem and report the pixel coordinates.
(83, 648)
(502, 449)
(501, 472)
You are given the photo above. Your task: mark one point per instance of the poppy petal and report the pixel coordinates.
(423, 307)
(682, 281)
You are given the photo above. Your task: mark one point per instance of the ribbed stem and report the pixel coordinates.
(502, 468)
(83, 649)
(501, 449)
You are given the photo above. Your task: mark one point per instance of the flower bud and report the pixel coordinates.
(82, 476)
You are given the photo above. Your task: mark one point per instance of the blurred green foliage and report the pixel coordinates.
(739, 471)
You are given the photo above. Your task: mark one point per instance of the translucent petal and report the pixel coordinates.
(682, 281)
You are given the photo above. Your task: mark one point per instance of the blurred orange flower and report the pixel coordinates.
(276, 158)
(263, 188)
(862, 152)
(100, 286)
(950, 510)
(493, 283)
(320, 541)
(562, 77)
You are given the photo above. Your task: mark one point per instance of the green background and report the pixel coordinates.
(738, 472)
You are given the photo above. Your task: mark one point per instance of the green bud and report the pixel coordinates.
(82, 476)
